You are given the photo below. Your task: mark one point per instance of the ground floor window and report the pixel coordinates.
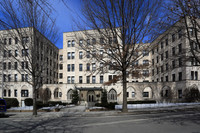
(24, 93)
(145, 94)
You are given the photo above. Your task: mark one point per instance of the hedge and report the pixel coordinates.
(141, 102)
(28, 101)
(11, 102)
(110, 105)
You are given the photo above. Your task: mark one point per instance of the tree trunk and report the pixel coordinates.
(34, 101)
(124, 106)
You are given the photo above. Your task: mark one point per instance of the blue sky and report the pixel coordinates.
(65, 16)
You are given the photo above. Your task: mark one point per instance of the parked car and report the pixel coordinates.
(2, 107)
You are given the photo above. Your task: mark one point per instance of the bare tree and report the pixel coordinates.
(36, 16)
(187, 13)
(123, 28)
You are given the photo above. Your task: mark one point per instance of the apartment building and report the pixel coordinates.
(25, 52)
(170, 69)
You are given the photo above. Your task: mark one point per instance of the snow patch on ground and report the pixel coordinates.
(157, 105)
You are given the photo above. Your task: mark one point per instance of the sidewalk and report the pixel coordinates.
(79, 111)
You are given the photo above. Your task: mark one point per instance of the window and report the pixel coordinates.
(80, 55)
(166, 78)
(180, 94)
(173, 64)
(61, 57)
(196, 76)
(9, 41)
(69, 44)
(4, 66)
(180, 76)
(16, 53)
(93, 41)
(23, 77)
(93, 67)
(161, 56)
(173, 37)
(127, 94)
(61, 66)
(180, 48)
(72, 79)
(161, 79)
(157, 70)
(68, 79)
(173, 51)
(133, 94)
(25, 40)
(22, 65)
(173, 77)
(26, 64)
(109, 77)
(4, 93)
(4, 53)
(15, 78)
(166, 42)
(166, 54)
(152, 51)
(88, 41)
(16, 40)
(101, 79)
(73, 55)
(15, 93)
(145, 94)
(88, 66)
(26, 77)
(88, 54)
(88, 79)
(110, 40)
(4, 78)
(73, 43)
(81, 42)
(180, 62)
(9, 77)
(73, 67)
(9, 53)
(68, 55)
(179, 33)
(152, 72)
(60, 75)
(152, 61)
(161, 45)
(146, 62)
(24, 93)
(101, 41)
(16, 65)
(191, 31)
(80, 67)
(93, 79)
(80, 79)
(9, 65)
(24, 52)
(166, 67)
(146, 73)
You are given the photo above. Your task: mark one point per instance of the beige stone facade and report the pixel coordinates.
(170, 71)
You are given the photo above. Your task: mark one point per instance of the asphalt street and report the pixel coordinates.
(179, 121)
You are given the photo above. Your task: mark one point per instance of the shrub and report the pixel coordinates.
(75, 97)
(11, 102)
(192, 95)
(54, 103)
(104, 97)
(107, 105)
(141, 102)
(28, 101)
(41, 104)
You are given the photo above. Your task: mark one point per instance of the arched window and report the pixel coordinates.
(112, 95)
(147, 92)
